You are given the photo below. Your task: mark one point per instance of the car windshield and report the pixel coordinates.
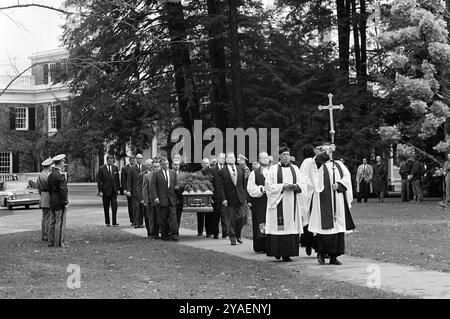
(15, 185)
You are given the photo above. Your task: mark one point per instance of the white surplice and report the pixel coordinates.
(317, 180)
(292, 220)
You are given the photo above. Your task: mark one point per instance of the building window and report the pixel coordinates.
(52, 118)
(21, 118)
(51, 67)
(5, 163)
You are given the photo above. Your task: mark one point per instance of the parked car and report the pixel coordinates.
(19, 193)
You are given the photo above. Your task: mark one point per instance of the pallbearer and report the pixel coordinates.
(284, 188)
(256, 189)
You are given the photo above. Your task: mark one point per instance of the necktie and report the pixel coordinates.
(139, 168)
(167, 178)
(109, 169)
(234, 175)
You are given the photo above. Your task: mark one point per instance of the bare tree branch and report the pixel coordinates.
(16, 77)
(18, 24)
(37, 5)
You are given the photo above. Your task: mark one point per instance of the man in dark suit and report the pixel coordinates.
(162, 192)
(211, 218)
(233, 196)
(57, 185)
(108, 187)
(219, 210)
(151, 214)
(201, 220)
(134, 193)
(123, 180)
(176, 163)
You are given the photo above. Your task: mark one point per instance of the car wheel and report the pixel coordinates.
(10, 207)
(27, 206)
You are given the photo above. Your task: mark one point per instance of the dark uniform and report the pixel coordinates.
(57, 185)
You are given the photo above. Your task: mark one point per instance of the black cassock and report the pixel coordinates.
(259, 205)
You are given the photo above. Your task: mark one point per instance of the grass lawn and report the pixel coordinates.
(416, 234)
(116, 264)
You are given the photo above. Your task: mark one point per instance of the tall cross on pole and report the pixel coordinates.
(332, 107)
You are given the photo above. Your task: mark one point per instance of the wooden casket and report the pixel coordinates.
(195, 201)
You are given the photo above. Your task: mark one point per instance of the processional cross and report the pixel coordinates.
(332, 107)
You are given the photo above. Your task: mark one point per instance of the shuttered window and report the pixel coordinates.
(21, 118)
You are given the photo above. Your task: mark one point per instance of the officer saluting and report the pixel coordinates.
(57, 184)
(44, 203)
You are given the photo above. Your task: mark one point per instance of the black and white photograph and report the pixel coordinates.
(225, 155)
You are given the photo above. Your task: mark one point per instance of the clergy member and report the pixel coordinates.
(257, 192)
(328, 222)
(283, 221)
(307, 238)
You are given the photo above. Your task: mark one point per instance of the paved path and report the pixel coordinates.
(396, 278)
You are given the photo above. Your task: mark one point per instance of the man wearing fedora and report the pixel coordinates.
(57, 185)
(44, 203)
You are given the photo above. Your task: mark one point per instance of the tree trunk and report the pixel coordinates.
(446, 72)
(216, 47)
(357, 48)
(188, 102)
(343, 15)
(236, 64)
(362, 30)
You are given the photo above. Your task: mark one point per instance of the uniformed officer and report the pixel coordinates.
(44, 203)
(57, 185)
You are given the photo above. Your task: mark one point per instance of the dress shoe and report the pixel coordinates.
(216, 236)
(115, 225)
(321, 258)
(287, 258)
(233, 241)
(200, 234)
(140, 226)
(277, 257)
(308, 251)
(108, 225)
(208, 236)
(335, 261)
(239, 240)
(224, 235)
